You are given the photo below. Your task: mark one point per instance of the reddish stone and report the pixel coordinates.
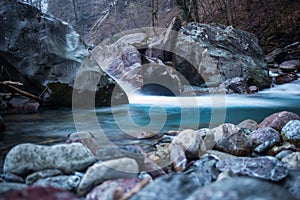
(278, 120)
(285, 78)
(37, 192)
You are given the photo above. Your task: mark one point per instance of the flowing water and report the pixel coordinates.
(148, 113)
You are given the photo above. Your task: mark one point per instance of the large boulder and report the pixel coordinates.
(43, 52)
(220, 53)
(26, 158)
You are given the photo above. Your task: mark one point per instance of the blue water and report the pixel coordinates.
(155, 114)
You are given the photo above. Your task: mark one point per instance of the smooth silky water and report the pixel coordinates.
(149, 113)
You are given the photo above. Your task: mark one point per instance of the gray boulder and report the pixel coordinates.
(26, 158)
(220, 53)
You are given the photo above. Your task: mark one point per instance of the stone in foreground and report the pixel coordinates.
(102, 171)
(241, 188)
(27, 158)
(266, 167)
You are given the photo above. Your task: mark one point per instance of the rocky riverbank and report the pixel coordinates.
(243, 161)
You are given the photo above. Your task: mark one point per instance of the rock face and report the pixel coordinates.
(43, 52)
(221, 53)
(26, 158)
(37, 48)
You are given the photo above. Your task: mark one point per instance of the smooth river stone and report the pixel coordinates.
(266, 167)
(278, 120)
(27, 158)
(102, 171)
(291, 132)
(248, 124)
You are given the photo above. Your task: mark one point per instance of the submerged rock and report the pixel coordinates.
(27, 158)
(278, 120)
(291, 132)
(102, 171)
(241, 188)
(266, 167)
(285, 78)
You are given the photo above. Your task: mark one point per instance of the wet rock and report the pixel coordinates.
(231, 139)
(274, 56)
(173, 186)
(292, 183)
(114, 152)
(62, 182)
(278, 120)
(241, 188)
(102, 171)
(290, 65)
(191, 142)
(27, 158)
(38, 192)
(261, 167)
(248, 124)
(220, 53)
(30, 179)
(112, 189)
(291, 132)
(204, 170)
(292, 160)
(235, 85)
(9, 177)
(265, 138)
(8, 187)
(285, 78)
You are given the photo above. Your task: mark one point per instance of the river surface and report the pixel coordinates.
(148, 113)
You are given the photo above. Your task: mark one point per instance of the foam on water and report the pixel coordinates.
(275, 96)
